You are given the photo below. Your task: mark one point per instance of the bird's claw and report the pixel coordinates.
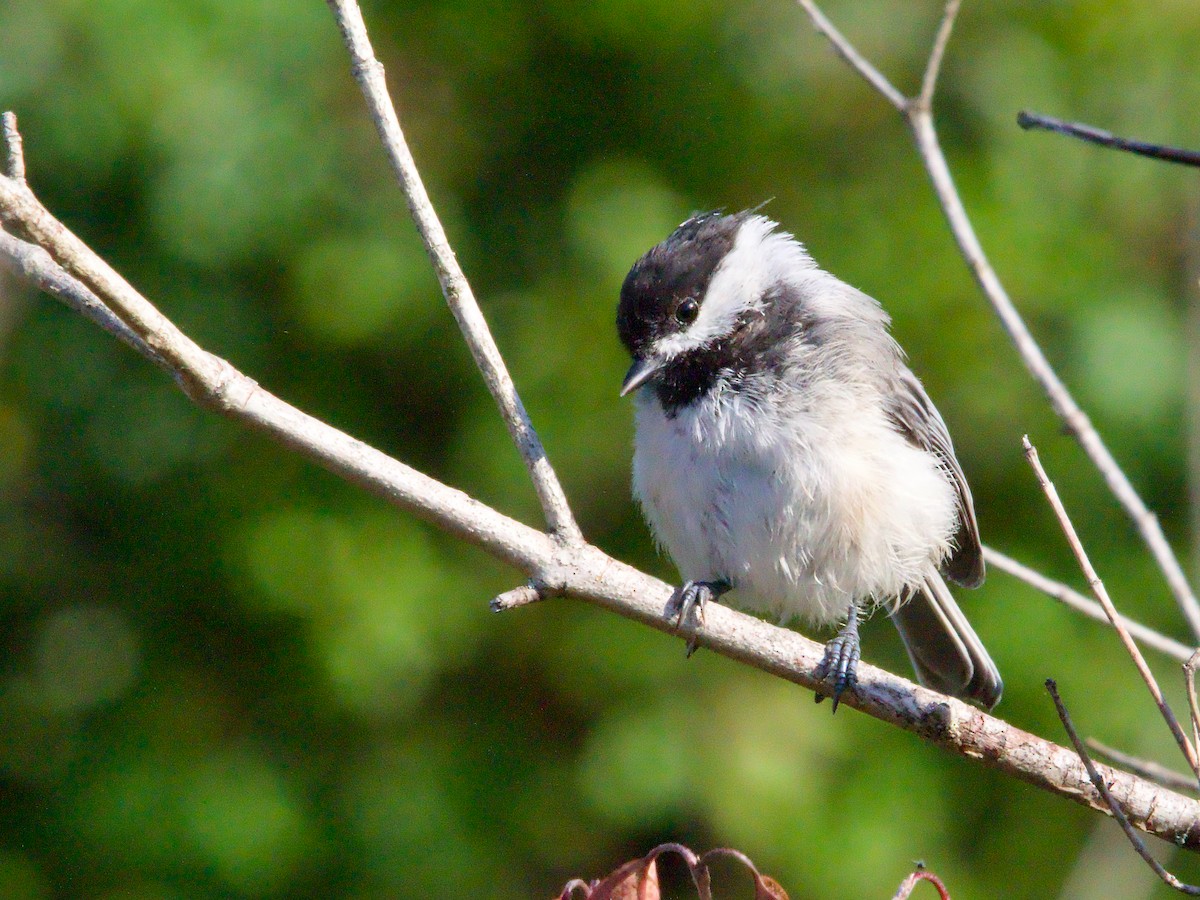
(687, 604)
(840, 662)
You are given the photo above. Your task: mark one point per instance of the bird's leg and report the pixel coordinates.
(840, 663)
(691, 597)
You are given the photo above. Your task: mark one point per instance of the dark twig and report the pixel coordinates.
(1097, 586)
(1102, 788)
(1028, 120)
(1144, 768)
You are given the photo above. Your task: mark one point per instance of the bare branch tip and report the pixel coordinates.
(14, 163)
(518, 596)
(1103, 138)
(937, 53)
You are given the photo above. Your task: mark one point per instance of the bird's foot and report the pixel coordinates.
(687, 604)
(840, 663)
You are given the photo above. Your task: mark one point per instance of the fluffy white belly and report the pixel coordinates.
(802, 521)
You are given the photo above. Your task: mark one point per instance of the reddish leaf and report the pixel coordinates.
(638, 878)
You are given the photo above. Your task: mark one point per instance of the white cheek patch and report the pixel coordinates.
(761, 257)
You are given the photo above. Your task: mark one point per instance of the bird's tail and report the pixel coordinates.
(945, 650)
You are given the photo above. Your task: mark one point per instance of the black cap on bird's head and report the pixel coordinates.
(663, 291)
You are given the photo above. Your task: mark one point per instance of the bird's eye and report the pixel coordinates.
(686, 312)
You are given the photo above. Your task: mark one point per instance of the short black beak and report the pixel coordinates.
(639, 373)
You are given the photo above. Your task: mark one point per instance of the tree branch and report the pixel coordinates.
(919, 117)
(35, 265)
(856, 61)
(368, 71)
(583, 571)
(14, 151)
(553, 565)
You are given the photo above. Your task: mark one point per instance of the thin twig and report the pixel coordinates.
(1097, 586)
(368, 71)
(1099, 783)
(920, 121)
(1144, 768)
(847, 51)
(1189, 681)
(1086, 605)
(1093, 135)
(14, 151)
(934, 66)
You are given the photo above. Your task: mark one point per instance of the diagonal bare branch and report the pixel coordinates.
(856, 60)
(1189, 681)
(583, 571)
(1144, 768)
(1097, 586)
(368, 71)
(35, 265)
(20, 209)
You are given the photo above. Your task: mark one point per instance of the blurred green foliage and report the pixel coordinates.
(227, 674)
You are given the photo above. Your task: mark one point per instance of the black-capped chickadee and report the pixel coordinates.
(785, 451)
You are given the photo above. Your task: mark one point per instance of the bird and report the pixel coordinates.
(786, 456)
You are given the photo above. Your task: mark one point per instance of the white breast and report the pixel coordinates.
(801, 519)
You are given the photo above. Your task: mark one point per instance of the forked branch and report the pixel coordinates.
(368, 71)
(917, 112)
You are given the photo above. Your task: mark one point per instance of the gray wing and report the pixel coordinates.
(918, 420)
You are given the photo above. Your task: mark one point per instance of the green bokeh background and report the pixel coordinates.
(228, 674)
